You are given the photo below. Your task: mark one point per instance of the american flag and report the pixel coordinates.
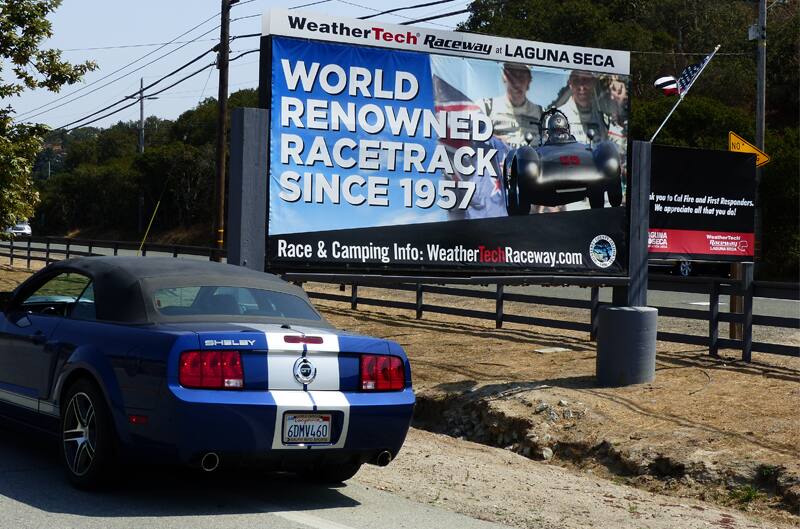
(489, 198)
(671, 86)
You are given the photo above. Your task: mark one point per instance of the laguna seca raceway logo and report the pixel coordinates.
(340, 28)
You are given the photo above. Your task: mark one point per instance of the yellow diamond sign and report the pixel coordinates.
(738, 144)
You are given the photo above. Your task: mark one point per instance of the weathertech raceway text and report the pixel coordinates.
(431, 253)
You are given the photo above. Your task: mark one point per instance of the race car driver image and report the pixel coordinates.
(513, 114)
(582, 109)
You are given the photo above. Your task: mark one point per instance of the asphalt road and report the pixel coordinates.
(35, 494)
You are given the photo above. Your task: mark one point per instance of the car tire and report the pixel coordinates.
(88, 440)
(332, 474)
(596, 198)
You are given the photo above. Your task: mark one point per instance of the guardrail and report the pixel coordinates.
(48, 249)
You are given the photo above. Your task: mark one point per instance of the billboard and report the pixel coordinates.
(702, 205)
(410, 150)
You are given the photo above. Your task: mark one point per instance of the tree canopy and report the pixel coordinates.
(25, 65)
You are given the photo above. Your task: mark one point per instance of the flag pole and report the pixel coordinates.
(682, 95)
(680, 98)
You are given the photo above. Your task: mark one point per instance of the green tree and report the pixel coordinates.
(25, 65)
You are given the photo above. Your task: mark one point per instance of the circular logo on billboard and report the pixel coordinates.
(304, 371)
(603, 251)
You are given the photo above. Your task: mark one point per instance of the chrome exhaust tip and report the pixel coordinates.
(209, 462)
(384, 458)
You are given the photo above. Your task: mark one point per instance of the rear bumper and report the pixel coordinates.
(246, 425)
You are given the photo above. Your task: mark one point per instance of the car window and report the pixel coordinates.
(84, 307)
(233, 301)
(57, 295)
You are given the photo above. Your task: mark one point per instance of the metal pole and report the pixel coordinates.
(141, 150)
(141, 115)
(678, 102)
(761, 102)
(222, 118)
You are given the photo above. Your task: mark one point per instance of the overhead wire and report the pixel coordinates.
(121, 76)
(405, 8)
(82, 122)
(24, 115)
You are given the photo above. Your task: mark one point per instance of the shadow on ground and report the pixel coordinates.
(30, 473)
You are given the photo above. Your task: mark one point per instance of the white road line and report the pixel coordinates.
(310, 520)
(704, 303)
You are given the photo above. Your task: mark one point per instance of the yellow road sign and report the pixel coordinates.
(738, 144)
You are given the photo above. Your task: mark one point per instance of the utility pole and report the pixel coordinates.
(222, 119)
(761, 105)
(141, 115)
(141, 150)
(759, 34)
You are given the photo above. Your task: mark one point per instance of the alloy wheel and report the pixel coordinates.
(80, 434)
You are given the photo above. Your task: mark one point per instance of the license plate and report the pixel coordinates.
(306, 428)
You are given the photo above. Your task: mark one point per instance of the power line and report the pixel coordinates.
(123, 46)
(21, 116)
(170, 74)
(121, 76)
(435, 17)
(162, 90)
(378, 11)
(396, 9)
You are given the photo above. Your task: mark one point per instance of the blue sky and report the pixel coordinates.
(82, 24)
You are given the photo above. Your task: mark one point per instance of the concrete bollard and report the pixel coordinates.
(626, 345)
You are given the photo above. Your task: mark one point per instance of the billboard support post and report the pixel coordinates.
(247, 203)
(635, 294)
(626, 334)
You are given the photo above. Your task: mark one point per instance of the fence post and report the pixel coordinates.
(498, 307)
(713, 319)
(594, 304)
(29, 253)
(47, 253)
(354, 296)
(747, 331)
(419, 301)
(11, 250)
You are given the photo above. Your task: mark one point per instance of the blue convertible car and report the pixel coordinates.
(168, 360)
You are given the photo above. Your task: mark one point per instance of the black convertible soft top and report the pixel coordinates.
(123, 286)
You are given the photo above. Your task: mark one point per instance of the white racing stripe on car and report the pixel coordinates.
(322, 394)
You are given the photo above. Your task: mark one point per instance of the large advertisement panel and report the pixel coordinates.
(702, 205)
(387, 158)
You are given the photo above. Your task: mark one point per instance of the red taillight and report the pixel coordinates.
(382, 373)
(211, 370)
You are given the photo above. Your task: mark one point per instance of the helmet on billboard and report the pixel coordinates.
(557, 126)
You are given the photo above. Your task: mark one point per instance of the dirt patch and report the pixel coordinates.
(501, 486)
(710, 428)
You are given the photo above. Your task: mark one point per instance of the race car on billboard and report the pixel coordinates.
(160, 360)
(561, 170)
